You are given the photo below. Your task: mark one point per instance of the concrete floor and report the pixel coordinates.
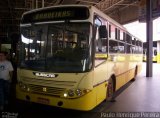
(142, 95)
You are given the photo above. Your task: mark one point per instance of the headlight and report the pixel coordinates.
(78, 92)
(71, 93)
(65, 95)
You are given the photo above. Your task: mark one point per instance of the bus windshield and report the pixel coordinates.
(62, 47)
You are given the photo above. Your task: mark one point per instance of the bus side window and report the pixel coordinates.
(121, 47)
(137, 50)
(140, 47)
(140, 50)
(134, 41)
(109, 31)
(128, 49)
(128, 39)
(116, 33)
(121, 35)
(124, 36)
(113, 46)
(133, 49)
(113, 32)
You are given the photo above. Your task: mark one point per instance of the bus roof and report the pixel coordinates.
(39, 9)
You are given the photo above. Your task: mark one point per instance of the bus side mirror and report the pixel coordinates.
(103, 32)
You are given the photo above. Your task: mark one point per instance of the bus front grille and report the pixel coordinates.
(50, 83)
(46, 90)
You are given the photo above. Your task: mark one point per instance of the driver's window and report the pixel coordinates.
(101, 48)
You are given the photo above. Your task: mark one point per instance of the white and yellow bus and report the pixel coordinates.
(155, 52)
(74, 57)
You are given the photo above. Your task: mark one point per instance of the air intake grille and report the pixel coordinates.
(46, 90)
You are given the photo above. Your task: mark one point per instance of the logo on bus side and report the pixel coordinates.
(48, 75)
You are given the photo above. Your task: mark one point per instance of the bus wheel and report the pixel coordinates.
(110, 91)
(135, 74)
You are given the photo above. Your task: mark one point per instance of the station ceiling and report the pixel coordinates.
(123, 11)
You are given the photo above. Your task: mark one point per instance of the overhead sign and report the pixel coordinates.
(56, 14)
(155, 10)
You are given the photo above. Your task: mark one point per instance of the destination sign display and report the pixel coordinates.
(56, 14)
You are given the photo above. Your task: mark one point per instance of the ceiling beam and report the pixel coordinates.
(113, 5)
(18, 8)
(53, 2)
(86, 1)
(130, 4)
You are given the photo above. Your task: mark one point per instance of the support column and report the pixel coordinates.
(149, 24)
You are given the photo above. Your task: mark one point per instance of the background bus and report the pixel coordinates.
(74, 57)
(156, 51)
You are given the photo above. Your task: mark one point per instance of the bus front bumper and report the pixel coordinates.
(84, 103)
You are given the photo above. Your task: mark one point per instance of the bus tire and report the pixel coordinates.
(110, 91)
(135, 73)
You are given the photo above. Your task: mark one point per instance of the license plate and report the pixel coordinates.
(43, 100)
